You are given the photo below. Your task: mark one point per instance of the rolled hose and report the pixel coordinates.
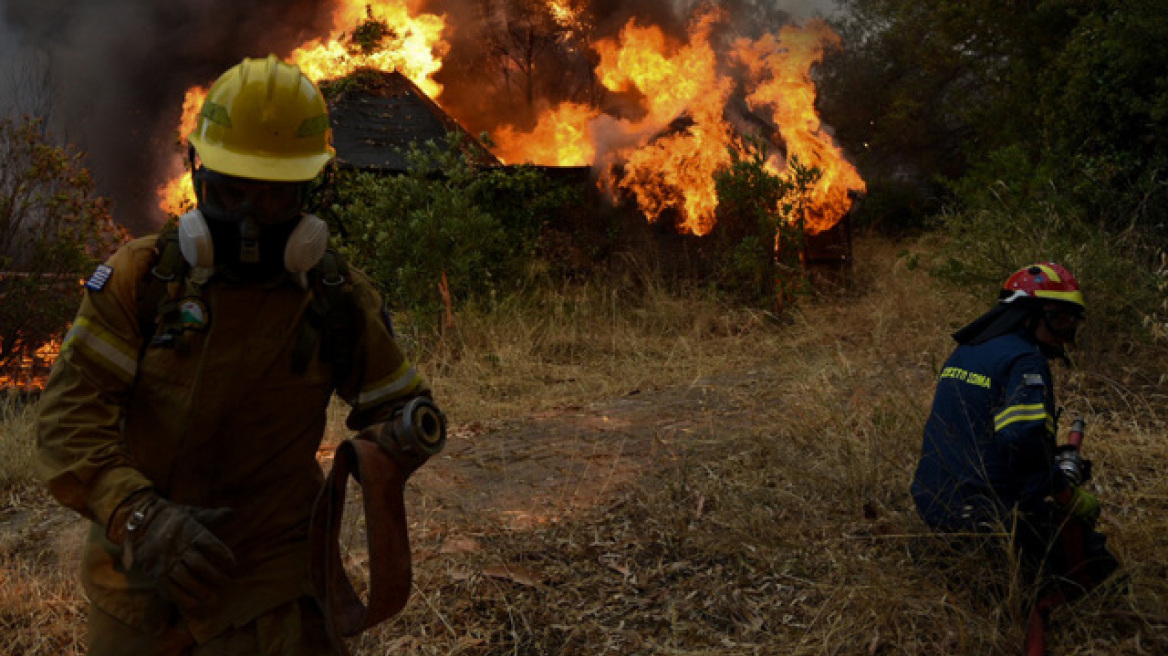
(415, 433)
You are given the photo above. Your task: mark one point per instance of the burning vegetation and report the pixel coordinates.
(652, 109)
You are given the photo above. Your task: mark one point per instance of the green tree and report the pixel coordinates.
(761, 227)
(53, 230)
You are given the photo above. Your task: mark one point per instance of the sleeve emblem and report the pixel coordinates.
(99, 278)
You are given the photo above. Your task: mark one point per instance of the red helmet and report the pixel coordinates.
(1047, 281)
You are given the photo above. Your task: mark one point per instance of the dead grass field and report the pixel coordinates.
(638, 472)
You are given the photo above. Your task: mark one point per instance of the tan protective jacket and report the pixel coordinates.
(226, 423)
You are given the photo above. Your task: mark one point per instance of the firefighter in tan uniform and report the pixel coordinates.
(184, 415)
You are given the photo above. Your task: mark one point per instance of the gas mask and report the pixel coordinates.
(253, 229)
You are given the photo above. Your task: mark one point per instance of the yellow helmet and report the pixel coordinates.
(264, 120)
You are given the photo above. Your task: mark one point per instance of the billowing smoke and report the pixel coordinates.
(118, 70)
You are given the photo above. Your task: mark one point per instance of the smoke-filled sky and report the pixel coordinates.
(118, 69)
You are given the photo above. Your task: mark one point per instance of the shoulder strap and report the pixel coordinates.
(331, 319)
(167, 266)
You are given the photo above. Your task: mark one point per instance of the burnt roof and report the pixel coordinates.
(377, 115)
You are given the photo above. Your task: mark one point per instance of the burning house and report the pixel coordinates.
(377, 115)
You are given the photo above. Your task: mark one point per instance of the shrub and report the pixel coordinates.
(446, 224)
(53, 230)
(1008, 228)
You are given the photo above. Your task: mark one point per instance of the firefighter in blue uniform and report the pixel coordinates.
(988, 461)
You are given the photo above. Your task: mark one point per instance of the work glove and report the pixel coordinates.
(1082, 504)
(172, 544)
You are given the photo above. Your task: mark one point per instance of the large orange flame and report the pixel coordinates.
(781, 68)
(668, 164)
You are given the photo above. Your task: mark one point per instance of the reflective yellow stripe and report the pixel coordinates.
(1015, 413)
(1050, 273)
(400, 382)
(1075, 297)
(103, 347)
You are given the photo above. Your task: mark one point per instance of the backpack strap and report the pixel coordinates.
(331, 318)
(155, 298)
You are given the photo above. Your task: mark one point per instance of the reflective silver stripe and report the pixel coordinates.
(1016, 413)
(402, 380)
(101, 345)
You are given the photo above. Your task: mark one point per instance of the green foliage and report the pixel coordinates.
(370, 34)
(1042, 126)
(53, 230)
(448, 220)
(760, 229)
(1011, 228)
(926, 92)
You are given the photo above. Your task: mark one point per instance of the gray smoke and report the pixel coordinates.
(118, 70)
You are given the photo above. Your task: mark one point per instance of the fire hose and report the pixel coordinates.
(382, 467)
(1076, 470)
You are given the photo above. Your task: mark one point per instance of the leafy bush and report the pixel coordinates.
(53, 230)
(448, 223)
(1008, 228)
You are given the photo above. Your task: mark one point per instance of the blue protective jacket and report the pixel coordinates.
(989, 441)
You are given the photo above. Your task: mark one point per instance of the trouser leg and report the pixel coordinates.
(108, 636)
(293, 629)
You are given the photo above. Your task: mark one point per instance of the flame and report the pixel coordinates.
(415, 46)
(412, 45)
(670, 154)
(675, 170)
(665, 150)
(781, 66)
(178, 195)
(565, 14)
(30, 371)
(563, 135)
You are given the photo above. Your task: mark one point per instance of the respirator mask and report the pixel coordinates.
(253, 229)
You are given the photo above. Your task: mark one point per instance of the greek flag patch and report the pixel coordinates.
(1033, 380)
(99, 278)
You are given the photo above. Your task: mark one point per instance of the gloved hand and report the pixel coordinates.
(1082, 504)
(172, 544)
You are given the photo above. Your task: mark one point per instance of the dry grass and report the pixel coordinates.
(719, 483)
(16, 441)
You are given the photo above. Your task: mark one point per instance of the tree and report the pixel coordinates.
(761, 227)
(53, 230)
(922, 91)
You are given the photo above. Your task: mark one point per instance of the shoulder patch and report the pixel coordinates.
(194, 314)
(99, 278)
(1033, 380)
